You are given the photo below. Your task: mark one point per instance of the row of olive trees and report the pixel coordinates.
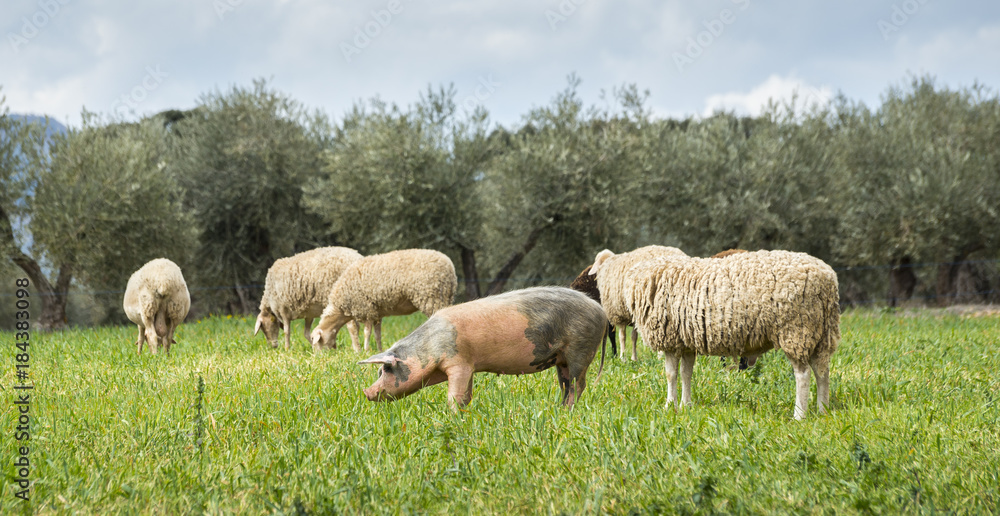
(249, 176)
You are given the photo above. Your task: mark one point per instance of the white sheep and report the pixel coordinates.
(745, 304)
(157, 300)
(297, 287)
(611, 271)
(394, 283)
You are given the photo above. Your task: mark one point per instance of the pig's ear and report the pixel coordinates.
(599, 259)
(382, 358)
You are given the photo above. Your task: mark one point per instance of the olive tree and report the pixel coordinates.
(105, 205)
(21, 155)
(922, 183)
(242, 157)
(395, 178)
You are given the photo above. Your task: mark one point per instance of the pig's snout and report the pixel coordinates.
(375, 393)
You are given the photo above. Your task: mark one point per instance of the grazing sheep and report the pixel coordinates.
(157, 300)
(745, 304)
(587, 284)
(297, 287)
(394, 283)
(611, 273)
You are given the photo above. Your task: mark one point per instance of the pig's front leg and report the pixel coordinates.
(459, 387)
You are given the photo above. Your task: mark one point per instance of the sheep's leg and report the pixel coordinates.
(624, 341)
(152, 339)
(168, 339)
(378, 334)
(307, 325)
(635, 343)
(149, 330)
(687, 367)
(670, 364)
(821, 370)
(352, 329)
(139, 341)
(459, 387)
(801, 388)
(287, 325)
(368, 333)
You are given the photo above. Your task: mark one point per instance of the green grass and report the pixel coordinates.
(913, 429)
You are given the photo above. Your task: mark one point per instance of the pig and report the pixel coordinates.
(520, 332)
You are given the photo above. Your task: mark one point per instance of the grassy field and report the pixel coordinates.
(913, 429)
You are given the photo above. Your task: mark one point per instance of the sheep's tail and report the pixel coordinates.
(604, 341)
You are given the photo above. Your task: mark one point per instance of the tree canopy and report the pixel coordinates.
(249, 175)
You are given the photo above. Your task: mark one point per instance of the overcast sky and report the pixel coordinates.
(132, 58)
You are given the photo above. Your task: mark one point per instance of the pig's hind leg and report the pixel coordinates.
(572, 382)
(562, 375)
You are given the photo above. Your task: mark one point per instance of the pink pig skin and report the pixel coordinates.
(520, 332)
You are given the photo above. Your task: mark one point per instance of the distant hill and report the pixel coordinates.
(54, 127)
(20, 224)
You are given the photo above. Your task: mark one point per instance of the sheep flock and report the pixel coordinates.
(734, 304)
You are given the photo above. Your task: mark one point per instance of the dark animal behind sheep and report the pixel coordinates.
(587, 284)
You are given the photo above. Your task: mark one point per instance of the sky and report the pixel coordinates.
(129, 59)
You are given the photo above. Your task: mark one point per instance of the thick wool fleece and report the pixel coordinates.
(394, 283)
(297, 287)
(746, 303)
(612, 278)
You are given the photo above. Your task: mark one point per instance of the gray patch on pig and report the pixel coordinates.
(430, 342)
(401, 372)
(557, 316)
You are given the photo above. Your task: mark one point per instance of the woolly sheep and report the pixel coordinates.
(157, 300)
(745, 362)
(587, 284)
(297, 287)
(745, 304)
(611, 272)
(395, 283)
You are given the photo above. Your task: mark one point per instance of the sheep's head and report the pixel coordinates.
(267, 321)
(325, 333)
(600, 259)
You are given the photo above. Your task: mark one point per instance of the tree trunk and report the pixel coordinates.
(245, 305)
(902, 281)
(53, 299)
(54, 302)
(945, 286)
(947, 274)
(498, 283)
(471, 274)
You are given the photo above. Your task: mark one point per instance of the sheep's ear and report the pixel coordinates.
(601, 257)
(384, 357)
(256, 328)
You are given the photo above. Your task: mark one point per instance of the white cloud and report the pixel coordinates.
(950, 49)
(779, 89)
(91, 54)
